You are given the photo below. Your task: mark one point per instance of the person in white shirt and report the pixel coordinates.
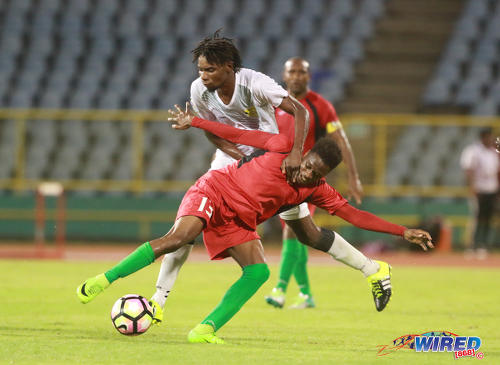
(227, 93)
(243, 98)
(481, 165)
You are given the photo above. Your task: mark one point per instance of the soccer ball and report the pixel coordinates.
(132, 315)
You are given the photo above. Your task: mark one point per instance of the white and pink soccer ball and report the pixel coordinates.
(132, 315)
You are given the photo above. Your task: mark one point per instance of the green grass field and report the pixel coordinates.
(41, 321)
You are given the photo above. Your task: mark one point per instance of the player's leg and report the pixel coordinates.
(486, 204)
(377, 273)
(290, 254)
(169, 270)
(185, 229)
(304, 299)
(250, 256)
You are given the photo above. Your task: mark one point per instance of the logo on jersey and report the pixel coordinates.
(251, 112)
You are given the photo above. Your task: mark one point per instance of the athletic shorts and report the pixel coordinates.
(223, 229)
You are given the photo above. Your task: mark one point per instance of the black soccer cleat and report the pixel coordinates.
(380, 283)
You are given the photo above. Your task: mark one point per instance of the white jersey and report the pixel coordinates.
(484, 164)
(251, 107)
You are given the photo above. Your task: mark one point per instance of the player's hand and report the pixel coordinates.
(355, 190)
(497, 144)
(291, 166)
(419, 237)
(181, 119)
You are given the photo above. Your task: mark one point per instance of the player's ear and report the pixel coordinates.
(229, 65)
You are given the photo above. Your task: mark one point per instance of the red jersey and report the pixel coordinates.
(321, 113)
(257, 189)
(254, 188)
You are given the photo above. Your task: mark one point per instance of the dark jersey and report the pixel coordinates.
(322, 119)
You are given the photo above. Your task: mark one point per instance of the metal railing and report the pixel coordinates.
(380, 136)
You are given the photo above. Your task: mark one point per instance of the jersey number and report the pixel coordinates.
(209, 211)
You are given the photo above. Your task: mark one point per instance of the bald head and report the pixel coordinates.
(296, 76)
(296, 61)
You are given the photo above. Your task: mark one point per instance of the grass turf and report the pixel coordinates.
(41, 321)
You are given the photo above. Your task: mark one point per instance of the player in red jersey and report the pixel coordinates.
(323, 120)
(228, 204)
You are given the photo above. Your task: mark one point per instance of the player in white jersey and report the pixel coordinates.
(240, 97)
(245, 100)
(251, 107)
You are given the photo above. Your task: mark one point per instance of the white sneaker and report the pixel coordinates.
(276, 298)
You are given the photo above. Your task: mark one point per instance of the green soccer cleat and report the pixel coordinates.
(204, 333)
(91, 288)
(276, 298)
(380, 283)
(303, 301)
(157, 312)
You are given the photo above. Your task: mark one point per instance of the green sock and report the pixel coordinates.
(238, 294)
(289, 256)
(141, 257)
(300, 271)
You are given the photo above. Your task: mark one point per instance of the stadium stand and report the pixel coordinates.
(134, 54)
(467, 72)
(367, 56)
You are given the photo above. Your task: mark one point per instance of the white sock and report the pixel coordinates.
(170, 266)
(343, 251)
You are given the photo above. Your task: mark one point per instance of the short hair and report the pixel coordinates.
(329, 152)
(218, 50)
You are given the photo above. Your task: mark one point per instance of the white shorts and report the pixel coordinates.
(297, 212)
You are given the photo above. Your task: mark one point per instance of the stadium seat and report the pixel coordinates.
(469, 93)
(486, 107)
(114, 54)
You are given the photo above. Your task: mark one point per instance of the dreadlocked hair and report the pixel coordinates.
(218, 50)
(329, 152)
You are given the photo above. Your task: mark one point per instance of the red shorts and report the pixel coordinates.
(312, 209)
(223, 229)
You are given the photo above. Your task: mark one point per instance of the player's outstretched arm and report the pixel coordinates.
(371, 222)
(291, 164)
(355, 187)
(183, 119)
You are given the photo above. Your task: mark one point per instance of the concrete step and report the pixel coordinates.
(405, 55)
(427, 6)
(386, 90)
(377, 68)
(374, 106)
(421, 44)
(413, 27)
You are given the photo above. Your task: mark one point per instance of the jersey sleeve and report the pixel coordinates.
(326, 197)
(369, 221)
(263, 140)
(197, 103)
(329, 119)
(267, 91)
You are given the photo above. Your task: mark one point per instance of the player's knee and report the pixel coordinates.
(170, 242)
(259, 273)
(325, 240)
(264, 274)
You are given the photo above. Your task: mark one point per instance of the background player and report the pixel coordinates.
(254, 189)
(227, 93)
(323, 121)
(481, 165)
